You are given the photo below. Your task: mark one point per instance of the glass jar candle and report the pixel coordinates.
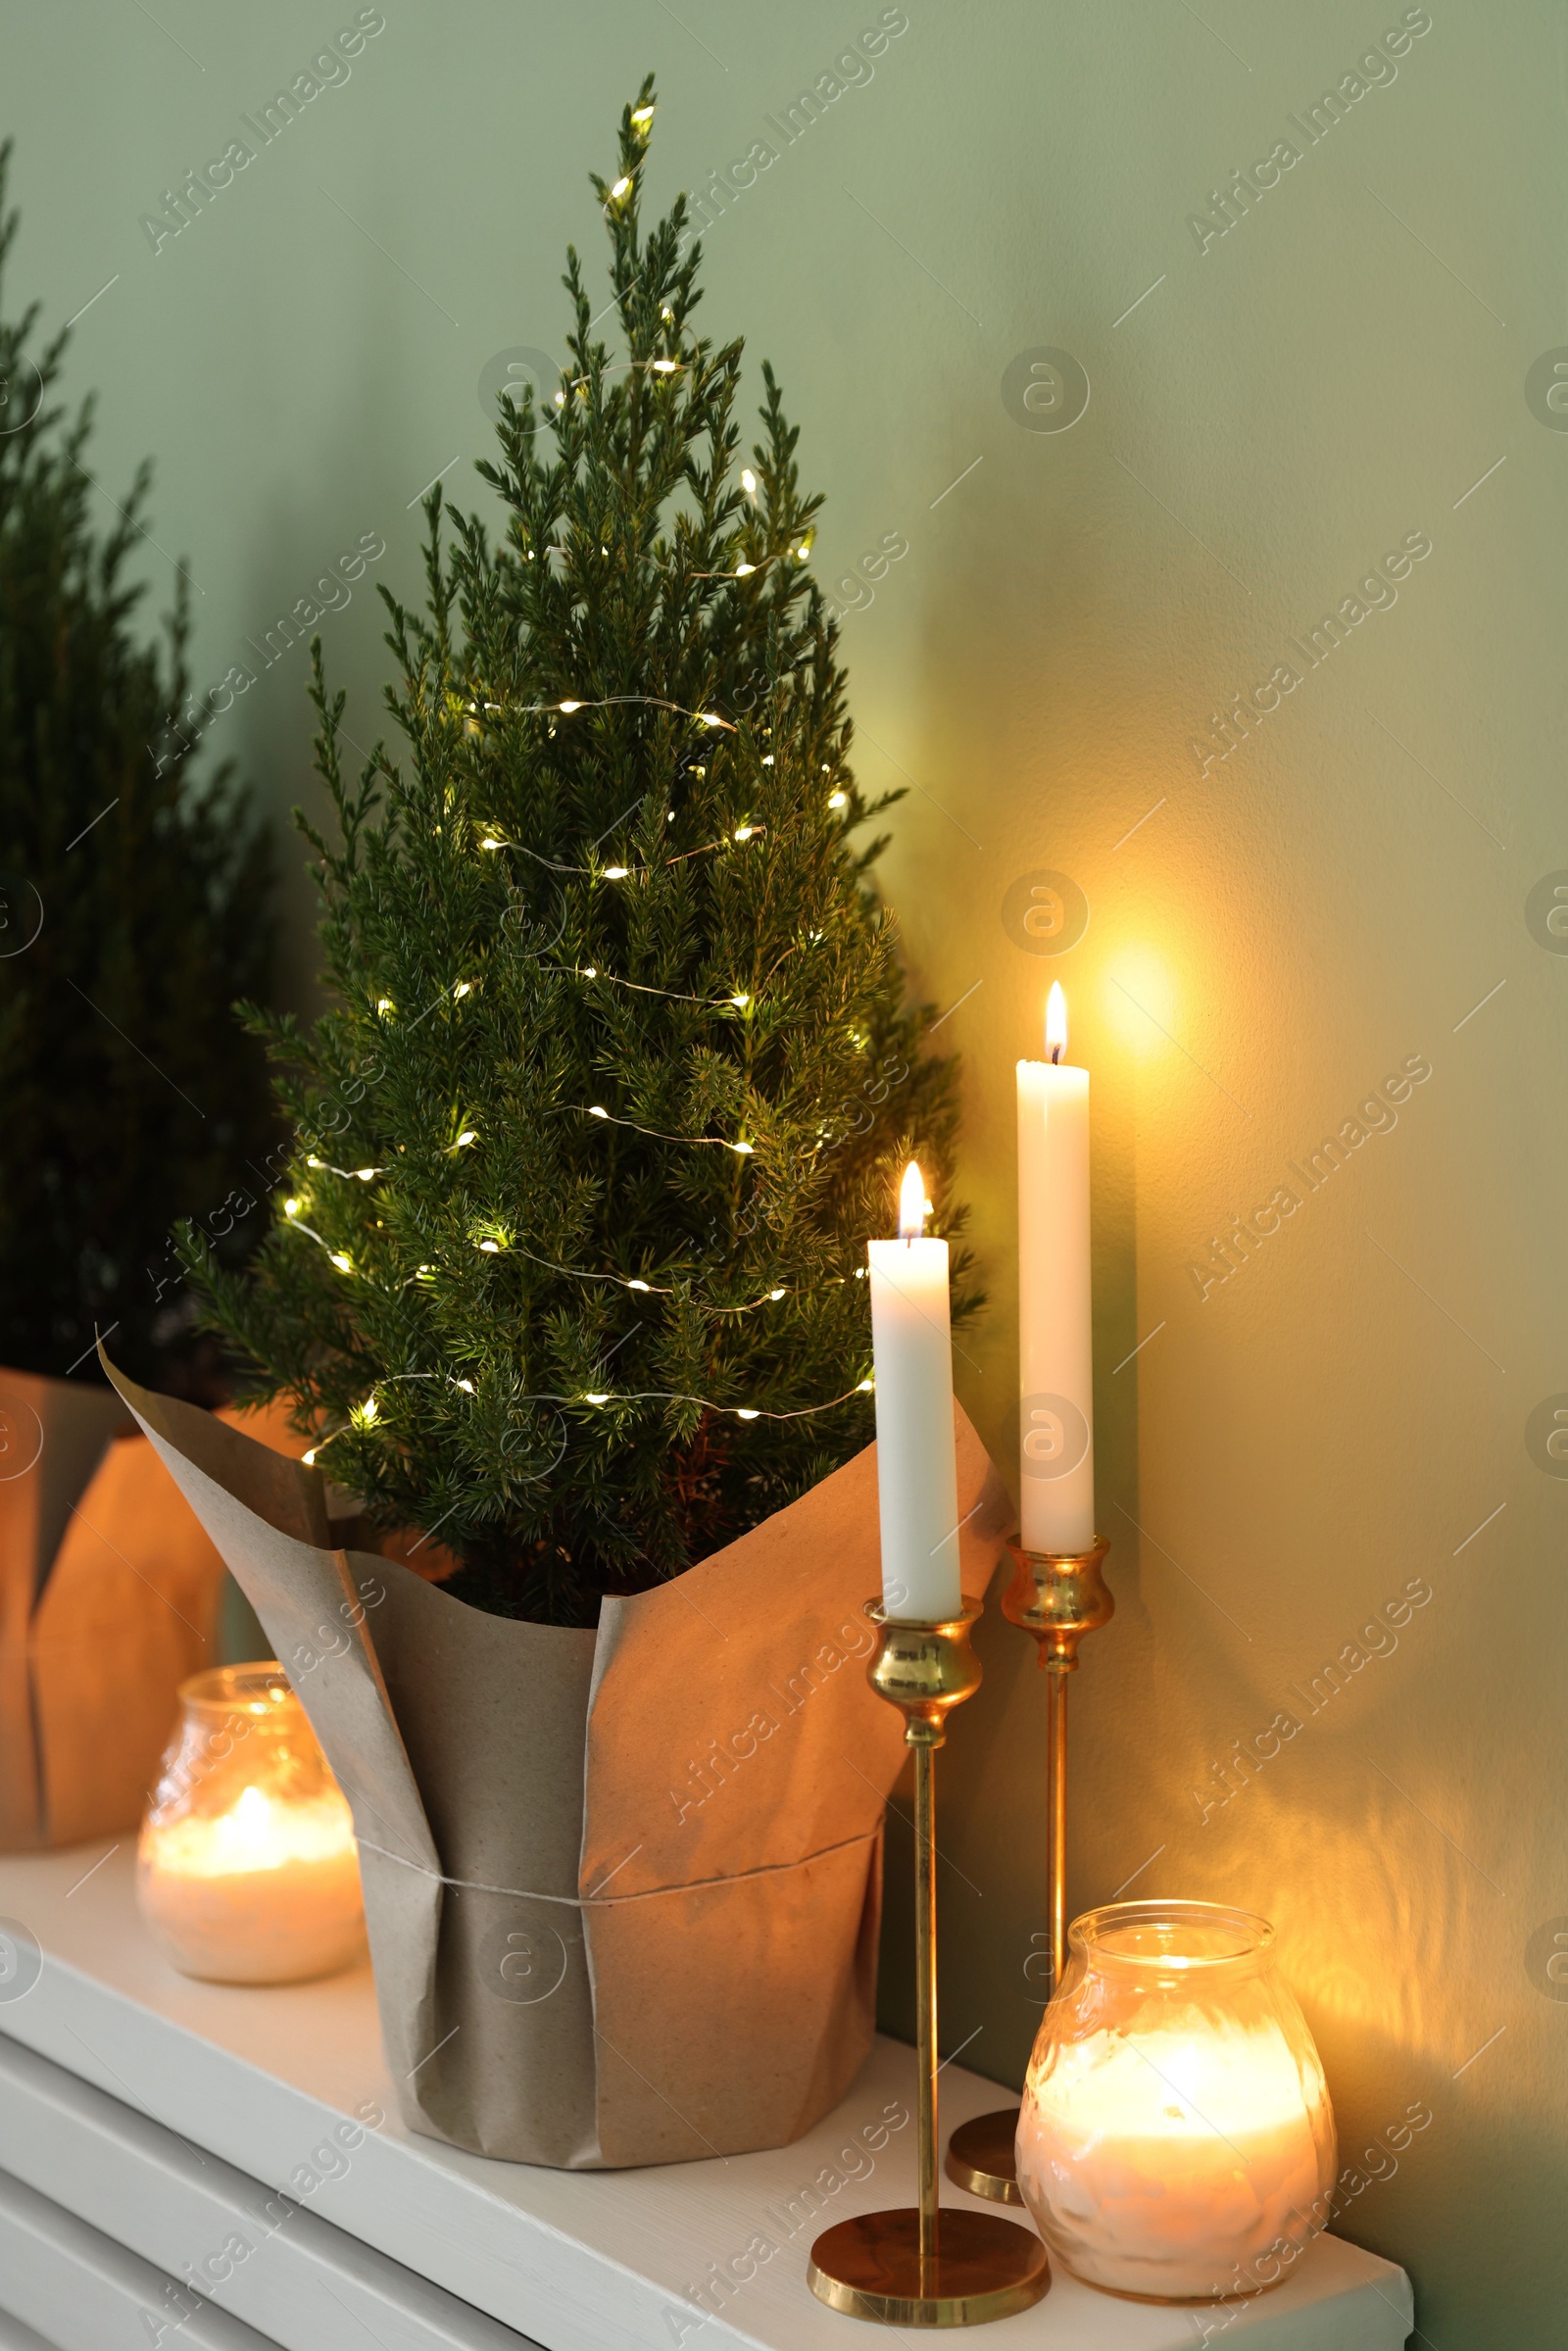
(247, 1871)
(1175, 2140)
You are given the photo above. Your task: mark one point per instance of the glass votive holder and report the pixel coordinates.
(1175, 2140)
(247, 1871)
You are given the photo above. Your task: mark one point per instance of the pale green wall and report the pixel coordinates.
(1281, 410)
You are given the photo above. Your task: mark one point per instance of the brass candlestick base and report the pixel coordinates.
(916, 2265)
(981, 2159)
(1058, 1596)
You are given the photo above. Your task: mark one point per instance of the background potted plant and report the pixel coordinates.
(132, 913)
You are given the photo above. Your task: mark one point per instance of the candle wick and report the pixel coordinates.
(1056, 1053)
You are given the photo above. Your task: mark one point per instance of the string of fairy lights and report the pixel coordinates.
(368, 1415)
(490, 1246)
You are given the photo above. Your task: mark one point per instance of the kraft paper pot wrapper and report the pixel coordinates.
(621, 1886)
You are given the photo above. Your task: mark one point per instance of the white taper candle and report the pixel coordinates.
(1055, 1357)
(917, 1481)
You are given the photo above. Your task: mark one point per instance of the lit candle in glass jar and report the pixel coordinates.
(247, 1868)
(1175, 2138)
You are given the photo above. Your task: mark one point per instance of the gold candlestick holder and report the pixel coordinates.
(919, 2266)
(1058, 1596)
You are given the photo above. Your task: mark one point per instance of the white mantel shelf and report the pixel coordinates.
(420, 2244)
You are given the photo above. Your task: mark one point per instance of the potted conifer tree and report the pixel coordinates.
(566, 1276)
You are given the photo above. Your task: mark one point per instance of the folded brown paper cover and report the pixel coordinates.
(621, 1886)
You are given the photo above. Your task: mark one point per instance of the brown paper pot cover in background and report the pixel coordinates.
(108, 1598)
(623, 1887)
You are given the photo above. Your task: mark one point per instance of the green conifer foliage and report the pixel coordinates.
(131, 916)
(621, 1073)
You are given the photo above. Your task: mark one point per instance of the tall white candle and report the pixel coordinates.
(916, 1470)
(1055, 1355)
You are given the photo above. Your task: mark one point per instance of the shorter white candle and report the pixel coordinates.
(916, 1469)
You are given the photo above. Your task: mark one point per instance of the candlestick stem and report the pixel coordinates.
(925, 1977)
(1056, 1814)
(1058, 1598)
(924, 2266)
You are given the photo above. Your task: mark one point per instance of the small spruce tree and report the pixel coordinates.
(621, 1073)
(131, 915)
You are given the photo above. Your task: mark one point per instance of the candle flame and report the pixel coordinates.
(912, 1204)
(257, 1832)
(1056, 1024)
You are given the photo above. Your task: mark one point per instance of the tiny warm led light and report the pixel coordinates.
(710, 718)
(744, 832)
(1056, 1024)
(491, 1248)
(590, 971)
(384, 1005)
(666, 367)
(767, 758)
(291, 1208)
(912, 1204)
(469, 1135)
(747, 1412)
(568, 707)
(838, 799)
(865, 1387)
(467, 1385)
(617, 873)
(463, 988)
(642, 115)
(744, 1149)
(343, 1262)
(370, 1411)
(740, 1003)
(366, 1175)
(744, 570)
(313, 1161)
(748, 481)
(597, 1110)
(561, 402)
(599, 1396)
(490, 842)
(622, 186)
(636, 1284)
(775, 1294)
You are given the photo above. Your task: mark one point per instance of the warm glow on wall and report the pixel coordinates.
(1139, 997)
